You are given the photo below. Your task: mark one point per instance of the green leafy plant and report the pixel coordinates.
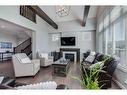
(89, 79)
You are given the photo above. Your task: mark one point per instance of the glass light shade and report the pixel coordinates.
(62, 10)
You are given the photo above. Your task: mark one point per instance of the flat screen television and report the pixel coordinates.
(67, 41)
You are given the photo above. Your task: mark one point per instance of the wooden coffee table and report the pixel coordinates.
(60, 68)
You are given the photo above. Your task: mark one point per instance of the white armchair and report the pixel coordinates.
(23, 66)
(45, 59)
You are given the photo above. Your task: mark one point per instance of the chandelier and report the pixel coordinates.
(62, 10)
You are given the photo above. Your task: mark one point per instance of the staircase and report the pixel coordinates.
(24, 47)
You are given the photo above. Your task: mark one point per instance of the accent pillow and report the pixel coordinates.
(100, 64)
(92, 53)
(90, 58)
(25, 60)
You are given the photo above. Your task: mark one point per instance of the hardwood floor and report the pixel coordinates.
(6, 68)
(45, 74)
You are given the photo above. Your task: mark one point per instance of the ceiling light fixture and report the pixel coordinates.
(62, 10)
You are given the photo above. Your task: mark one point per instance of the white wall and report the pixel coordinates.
(41, 28)
(85, 40)
(7, 38)
(53, 45)
(74, 29)
(75, 25)
(12, 14)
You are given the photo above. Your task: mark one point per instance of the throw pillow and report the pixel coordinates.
(25, 60)
(98, 64)
(92, 53)
(90, 58)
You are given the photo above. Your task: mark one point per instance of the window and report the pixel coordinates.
(55, 37)
(112, 33)
(106, 21)
(104, 41)
(119, 38)
(5, 45)
(100, 26)
(100, 42)
(101, 35)
(109, 41)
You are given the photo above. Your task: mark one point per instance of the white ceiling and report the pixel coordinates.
(76, 12)
(13, 29)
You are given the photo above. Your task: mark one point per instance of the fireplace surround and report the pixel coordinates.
(75, 51)
(70, 55)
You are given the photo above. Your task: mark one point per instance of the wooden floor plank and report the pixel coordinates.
(45, 74)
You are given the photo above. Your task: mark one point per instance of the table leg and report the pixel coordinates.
(2, 56)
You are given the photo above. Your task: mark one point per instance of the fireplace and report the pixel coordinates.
(69, 56)
(71, 53)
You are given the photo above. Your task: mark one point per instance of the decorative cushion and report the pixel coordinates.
(25, 60)
(98, 64)
(92, 53)
(62, 59)
(90, 58)
(21, 56)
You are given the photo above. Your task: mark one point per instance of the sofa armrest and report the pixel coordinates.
(104, 80)
(104, 75)
(34, 61)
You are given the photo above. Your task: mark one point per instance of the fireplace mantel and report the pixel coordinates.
(77, 50)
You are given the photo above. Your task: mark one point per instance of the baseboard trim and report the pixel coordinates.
(118, 83)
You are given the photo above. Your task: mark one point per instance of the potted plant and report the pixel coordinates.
(89, 79)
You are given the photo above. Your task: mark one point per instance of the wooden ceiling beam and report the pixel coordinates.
(85, 15)
(44, 16)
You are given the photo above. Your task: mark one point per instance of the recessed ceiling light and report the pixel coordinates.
(2, 26)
